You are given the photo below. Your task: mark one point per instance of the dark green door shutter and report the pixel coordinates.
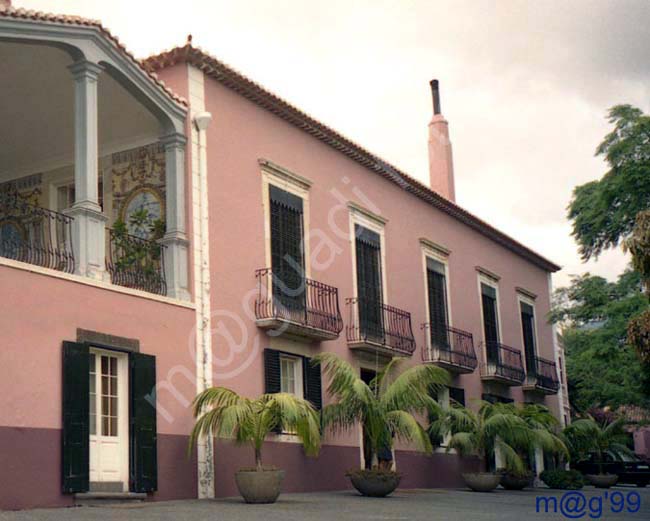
(76, 414)
(144, 457)
(528, 326)
(287, 262)
(490, 323)
(437, 289)
(369, 291)
(312, 387)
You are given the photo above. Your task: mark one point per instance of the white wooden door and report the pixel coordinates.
(109, 417)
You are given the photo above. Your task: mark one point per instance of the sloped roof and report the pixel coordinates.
(254, 92)
(39, 16)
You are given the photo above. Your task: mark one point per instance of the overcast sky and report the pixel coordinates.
(525, 85)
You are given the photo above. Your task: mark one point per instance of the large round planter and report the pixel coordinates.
(259, 486)
(513, 482)
(374, 483)
(482, 481)
(602, 480)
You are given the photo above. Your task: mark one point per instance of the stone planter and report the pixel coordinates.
(374, 483)
(482, 481)
(259, 486)
(602, 480)
(516, 482)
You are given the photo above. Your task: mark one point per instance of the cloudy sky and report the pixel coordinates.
(525, 85)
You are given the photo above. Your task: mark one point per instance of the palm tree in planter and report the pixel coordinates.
(495, 427)
(586, 436)
(385, 408)
(223, 413)
(544, 435)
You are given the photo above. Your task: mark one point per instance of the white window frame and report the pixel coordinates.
(298, 370)
(489, 280)
(374, 223)
(295, 184)
(531, 302)
(439, 254)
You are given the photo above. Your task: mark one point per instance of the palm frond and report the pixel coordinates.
(407, 429)
(509, 455)
(215, 397)
(464, 442)
(409, 391)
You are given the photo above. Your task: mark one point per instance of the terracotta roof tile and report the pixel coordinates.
(273, 103)
(26, 14)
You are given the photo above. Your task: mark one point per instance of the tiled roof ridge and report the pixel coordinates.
(270, 101)
(40, 16)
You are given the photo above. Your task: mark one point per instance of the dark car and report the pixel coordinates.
(630, 469)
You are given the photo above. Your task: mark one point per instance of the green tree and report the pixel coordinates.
(586, 435)
(223, 413)
(602, 368)
(385, 407)
(493, 427)
(603, 212)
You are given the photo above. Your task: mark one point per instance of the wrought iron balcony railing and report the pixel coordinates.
(542, 376)
(302, 306)
(450, 348)
(135, 263)
(503, 364)
(36, 235)
(377, 327)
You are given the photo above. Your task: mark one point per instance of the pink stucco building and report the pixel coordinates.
(168, 224)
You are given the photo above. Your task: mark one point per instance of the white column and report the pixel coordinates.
(556, 354)
(88, 227)
(175, 239)
(539, 461)
(443, 401)
(205, 444)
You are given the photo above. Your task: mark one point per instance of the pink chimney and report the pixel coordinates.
(441, 166)
(5, 5)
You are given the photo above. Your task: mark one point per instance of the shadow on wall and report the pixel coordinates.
(327, 472)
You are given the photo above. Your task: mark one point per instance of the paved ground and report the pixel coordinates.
(429, 505)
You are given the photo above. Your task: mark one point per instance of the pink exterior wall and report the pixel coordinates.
(241, 134)
(37, 313)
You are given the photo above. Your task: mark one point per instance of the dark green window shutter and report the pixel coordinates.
(272, 375)
(76, 416)
(438, 315)
(368, 252)
(271, 371)
(144, 456)
(528, 326)
(490, 322)
(287, 262)
(312, 383)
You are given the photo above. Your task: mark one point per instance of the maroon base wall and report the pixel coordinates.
(435, 471)
(327, 472)
(302, 474)
(30, 469)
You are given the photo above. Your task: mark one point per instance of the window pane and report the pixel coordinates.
(288, 367)
(105, 426)
(113, 426)
(104, 365)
